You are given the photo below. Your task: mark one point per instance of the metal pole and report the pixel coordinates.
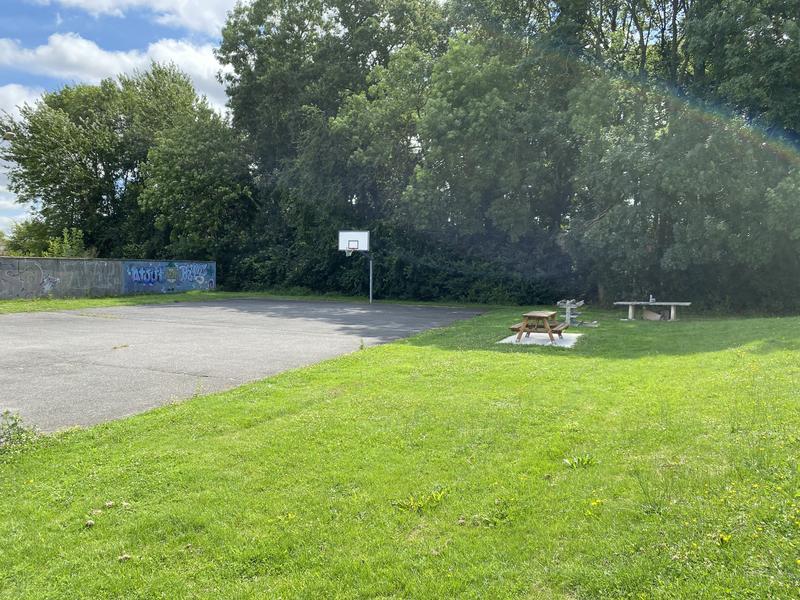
(370, 278)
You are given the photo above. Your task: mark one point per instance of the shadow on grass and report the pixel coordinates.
(617, 339)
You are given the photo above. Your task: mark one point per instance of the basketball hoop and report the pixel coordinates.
(357, 241)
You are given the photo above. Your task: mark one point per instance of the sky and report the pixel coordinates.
(46, 44)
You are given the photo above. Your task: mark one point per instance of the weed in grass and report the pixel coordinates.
(657, 487)
(757, 455)
(665, 419)
(758, 438)
(723, 538)
(421, 502)
(14, 434)
(594, 507)
(756, 385)
(500, 512)
(735, 417)
(583, 461)
(198, 389)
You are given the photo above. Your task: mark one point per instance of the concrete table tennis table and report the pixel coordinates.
(673, 307)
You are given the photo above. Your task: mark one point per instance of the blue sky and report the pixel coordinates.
(45, 44)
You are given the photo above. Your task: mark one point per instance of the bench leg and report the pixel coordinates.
(549, 332)
(673, 313)
(521, 331)
(631, 313)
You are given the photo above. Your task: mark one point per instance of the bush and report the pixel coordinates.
(69, 245)
(14, 434)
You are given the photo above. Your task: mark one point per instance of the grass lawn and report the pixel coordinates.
(654, 460)
(53, 304)
(50, 304)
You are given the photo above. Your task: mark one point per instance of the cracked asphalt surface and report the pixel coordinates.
(79, 368)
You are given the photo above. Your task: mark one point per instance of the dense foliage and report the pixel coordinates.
(498, 150)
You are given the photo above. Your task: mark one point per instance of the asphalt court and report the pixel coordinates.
(79, 368)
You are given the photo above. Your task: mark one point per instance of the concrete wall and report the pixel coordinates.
(142, 277)
(75, 277)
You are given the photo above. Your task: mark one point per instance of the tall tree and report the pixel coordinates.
(674, 201)
(199, 188)
(77, 156)
(287, 56)
(747, 55)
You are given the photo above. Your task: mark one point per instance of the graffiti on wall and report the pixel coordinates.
(25, 279)
(22, 277)
(165, 277)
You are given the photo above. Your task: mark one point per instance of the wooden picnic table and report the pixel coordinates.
(673, 307)
(538, 321)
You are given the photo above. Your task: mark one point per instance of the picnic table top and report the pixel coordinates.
(646, 303)
(540, 314)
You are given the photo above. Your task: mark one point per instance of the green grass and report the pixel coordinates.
(654, 460)
(56, 304)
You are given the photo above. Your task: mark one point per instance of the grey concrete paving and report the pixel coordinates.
(568, 340)
(62, 369)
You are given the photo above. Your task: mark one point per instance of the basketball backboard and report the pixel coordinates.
(354, 241)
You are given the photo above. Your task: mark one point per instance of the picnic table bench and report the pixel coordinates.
(538, 321)
(673, 307)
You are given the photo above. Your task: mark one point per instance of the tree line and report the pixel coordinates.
(499, 150)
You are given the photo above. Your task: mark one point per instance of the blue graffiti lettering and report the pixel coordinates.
(168, 276)
(147, 275)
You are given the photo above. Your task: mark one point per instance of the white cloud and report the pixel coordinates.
(207, 16)
(72, 57)
(69, 56)
(7, 201)
(12, 96)
(198, 62)
(11, 213)
(8, 220)
(6, 223)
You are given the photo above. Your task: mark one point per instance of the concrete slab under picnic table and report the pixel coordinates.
(82, 367)
(567, 340)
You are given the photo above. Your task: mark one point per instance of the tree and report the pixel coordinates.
(69, 245)
(28, 238)
(292, 66)
(286, 57)
(77, 156)
(199, 188)
(499, 149)
(673, 202)
(747, 54)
